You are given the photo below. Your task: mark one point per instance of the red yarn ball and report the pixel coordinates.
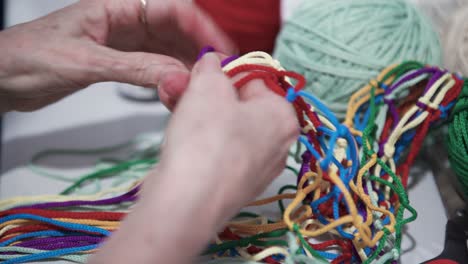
(253, 25)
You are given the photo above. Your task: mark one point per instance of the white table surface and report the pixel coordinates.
(98, 116)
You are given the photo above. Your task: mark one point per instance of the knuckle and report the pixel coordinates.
(141, 69)
(290, 126)
(122, 67)
(283, 109)
(145, 72)
(287, 126)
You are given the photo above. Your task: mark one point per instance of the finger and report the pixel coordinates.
(221, 56)
(142, 69)
(208, 79)
(254, 89)
(173, 85)
(168, 101)
(278, 114)
(209, 63)
(198, 25)
(278, 165)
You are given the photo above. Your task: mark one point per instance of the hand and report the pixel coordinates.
(222, 149)
(103, 40)
(235, 141)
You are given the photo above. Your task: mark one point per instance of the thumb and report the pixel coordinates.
(209, 63)
(169, 75)
(209, 80)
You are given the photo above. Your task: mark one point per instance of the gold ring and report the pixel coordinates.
(143, 5)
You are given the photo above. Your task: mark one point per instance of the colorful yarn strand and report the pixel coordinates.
(457, 141)
(348, 203)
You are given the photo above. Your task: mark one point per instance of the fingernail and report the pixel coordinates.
(210, 62)
(212, 58)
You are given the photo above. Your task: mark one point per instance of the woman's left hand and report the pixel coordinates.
(104, 40)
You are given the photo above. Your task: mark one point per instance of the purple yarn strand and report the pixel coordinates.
(409, 77)
(228, 60)
(204, 51)
(61, 242)
(127, 197)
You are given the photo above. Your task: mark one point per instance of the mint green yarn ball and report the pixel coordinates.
(340, 45)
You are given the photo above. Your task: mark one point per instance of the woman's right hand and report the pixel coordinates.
(222, 149)
(236, 140)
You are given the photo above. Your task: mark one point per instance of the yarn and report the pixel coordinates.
(253, 25)
(429, 95)
(456, 42)
(456, 59)
(338, 46)
(144, 151)
(351, 182)
(457, 140)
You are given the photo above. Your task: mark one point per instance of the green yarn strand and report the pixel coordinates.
(457, 139)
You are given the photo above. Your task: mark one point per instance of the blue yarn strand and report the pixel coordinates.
(49, 255)
(71, 226)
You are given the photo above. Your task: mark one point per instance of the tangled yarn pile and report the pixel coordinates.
(347, 205)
